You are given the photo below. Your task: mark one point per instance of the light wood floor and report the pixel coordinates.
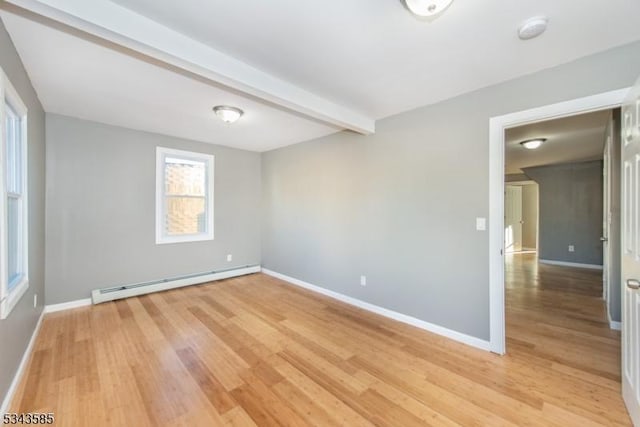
(254, 350)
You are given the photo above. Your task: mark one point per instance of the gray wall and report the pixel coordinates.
(530, 216)
(570, 211)
(16, 330)
(101, 209)
(394, 205)
(615, 239)
(516, 177)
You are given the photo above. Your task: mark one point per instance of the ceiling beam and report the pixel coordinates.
(116, 24)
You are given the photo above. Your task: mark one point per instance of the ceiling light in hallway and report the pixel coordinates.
(532, 144)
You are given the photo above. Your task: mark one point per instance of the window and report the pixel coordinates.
(14, 226)
(184, 196)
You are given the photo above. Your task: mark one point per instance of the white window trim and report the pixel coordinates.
(209, 159)
(9, 299)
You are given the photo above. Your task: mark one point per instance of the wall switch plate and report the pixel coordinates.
(481, 224)
(35, 300)
(229, 258)
(572, 248)
(363, 280)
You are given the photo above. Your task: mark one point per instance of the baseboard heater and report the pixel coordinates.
(135, 289)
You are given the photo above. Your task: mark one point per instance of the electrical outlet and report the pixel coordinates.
(363, 280)
(572, 248)
(35, 300)
(229, 258)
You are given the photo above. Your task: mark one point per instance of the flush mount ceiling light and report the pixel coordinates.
(228, 114)
(427, 8)
(532, 144)
(533, 27)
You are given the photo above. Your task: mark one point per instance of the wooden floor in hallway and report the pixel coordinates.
(257, 351)
(557, 314)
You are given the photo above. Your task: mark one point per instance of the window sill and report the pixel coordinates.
(164, 240)
(13, 298)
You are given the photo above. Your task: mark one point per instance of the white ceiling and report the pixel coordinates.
(78, 78)
(375, 57)
(371, 57)
(569, 139)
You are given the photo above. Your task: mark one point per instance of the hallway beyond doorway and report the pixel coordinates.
(556, 315)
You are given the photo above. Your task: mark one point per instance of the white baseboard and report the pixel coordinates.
(99, 296)
(457, 336)
(571, 264)
(52, 308)
(21, 367)
(616, 326)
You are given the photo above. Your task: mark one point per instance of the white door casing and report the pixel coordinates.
(631, 252)
(497, 127)
(513, 219)
(606, 214)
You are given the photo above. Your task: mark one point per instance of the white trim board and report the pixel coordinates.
(21, 367)
(497, 127)
(571, 264)
(52, 308)
(439, 330)
(616, 326)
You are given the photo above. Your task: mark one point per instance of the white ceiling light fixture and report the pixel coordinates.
(532, 144)
(533, 27)
(428, 8)
(228, 114)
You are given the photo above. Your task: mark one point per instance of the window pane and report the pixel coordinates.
(185, 196)
(184, 177)
(14, 152)
(185, 215)
(14, 220)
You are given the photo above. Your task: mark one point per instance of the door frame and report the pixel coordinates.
(519, 195)
(606, 214)
(497, 127)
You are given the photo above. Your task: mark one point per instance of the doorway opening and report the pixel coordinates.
(521, 217)
(498, 126)
(562, 203)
